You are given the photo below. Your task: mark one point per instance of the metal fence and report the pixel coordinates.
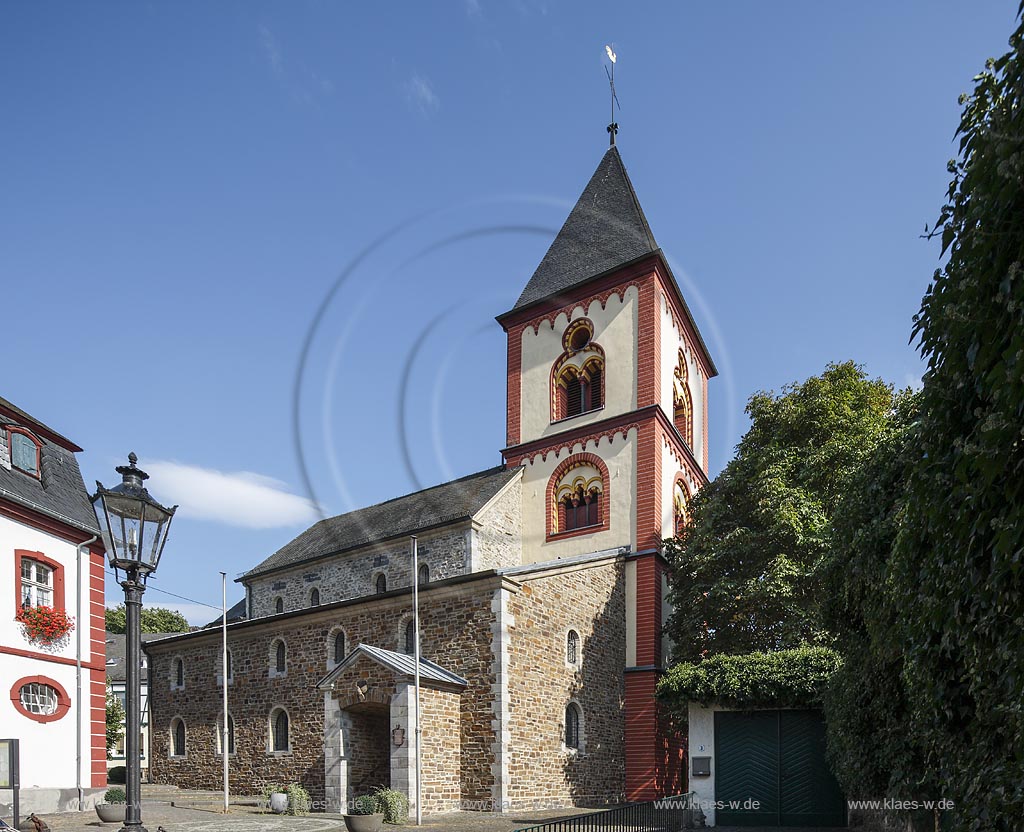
(667, 814)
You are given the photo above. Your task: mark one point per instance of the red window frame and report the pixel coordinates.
(13, 429)
(57, 570)
(63, 700)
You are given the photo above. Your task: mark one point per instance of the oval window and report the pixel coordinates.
(40, 699)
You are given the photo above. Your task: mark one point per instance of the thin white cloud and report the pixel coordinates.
(473, 8)
(239, 498)
(272, 50)
(419, 92)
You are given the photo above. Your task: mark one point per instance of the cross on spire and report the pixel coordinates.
(613, 128)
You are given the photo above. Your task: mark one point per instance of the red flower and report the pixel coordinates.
(45, 624)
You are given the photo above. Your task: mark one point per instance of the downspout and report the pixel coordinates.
(78, 667)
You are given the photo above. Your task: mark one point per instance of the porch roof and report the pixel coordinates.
(400, 663)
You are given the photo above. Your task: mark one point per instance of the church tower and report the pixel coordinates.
(607, 415)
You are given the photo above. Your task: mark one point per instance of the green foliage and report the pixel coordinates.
(958, 568)
(745, 574)
(298, 800)
(782, 679)
(117, 774)
(115, 795)
(866, 704)
(365, 804)
(393, 804)
(152, 620)
(115, 721)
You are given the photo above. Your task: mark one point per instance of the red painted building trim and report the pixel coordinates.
(40, 428)
(63, 700)
(56, 568)
(46, 657)
(46, 523)
(514, 381)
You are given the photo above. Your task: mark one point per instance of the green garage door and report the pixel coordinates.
(770, 770)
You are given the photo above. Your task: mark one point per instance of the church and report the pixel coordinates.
(542, 587)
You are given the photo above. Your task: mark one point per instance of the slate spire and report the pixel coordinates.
(605, 230)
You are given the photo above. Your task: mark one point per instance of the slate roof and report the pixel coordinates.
(400, 663)
(117, 651)
(236, 612)
(605, 230)
(446, 503)
(60, 491)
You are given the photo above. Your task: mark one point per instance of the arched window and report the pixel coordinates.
(231, 736)
(572, 648)
(177, 737)
(25, 452)
(577, 489)
(314, 597)
(683, 401)
(279, 658)
(339, 646)
(409, 640)
(572, 726)
(578, 374)
(423, 576)
(279, 730)
(381, 584)
(179, 673)
(680, 508)
(279, 605)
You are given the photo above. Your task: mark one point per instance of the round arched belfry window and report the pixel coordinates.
(37, 698)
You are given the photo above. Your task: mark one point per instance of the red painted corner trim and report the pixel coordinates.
(63, 700)
(58, 577)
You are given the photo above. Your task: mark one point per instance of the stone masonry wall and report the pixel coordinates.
(455, 633)
(499, 542)
(541, 683)
(354, 574)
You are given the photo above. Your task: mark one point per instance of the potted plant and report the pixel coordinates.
(276, 797)
(112, 810)
(364, 816)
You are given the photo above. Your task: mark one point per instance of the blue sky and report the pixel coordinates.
(195, 196)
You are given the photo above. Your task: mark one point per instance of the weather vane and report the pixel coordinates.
(613, 128)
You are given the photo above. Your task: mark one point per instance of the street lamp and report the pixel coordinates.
(134, 528)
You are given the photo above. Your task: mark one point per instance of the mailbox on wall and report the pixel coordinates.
(700, 766)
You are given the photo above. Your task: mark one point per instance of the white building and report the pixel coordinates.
(56, 706)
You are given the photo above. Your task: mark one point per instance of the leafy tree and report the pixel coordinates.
(152, 620)
(115, 720)
(959, 560)
(866, 703)
(744, 573)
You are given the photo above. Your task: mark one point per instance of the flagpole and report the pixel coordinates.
(224, 678)
(416, 662)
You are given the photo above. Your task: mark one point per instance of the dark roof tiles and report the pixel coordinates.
(447, 503)
(605, 230)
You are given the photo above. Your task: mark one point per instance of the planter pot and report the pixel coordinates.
(111, 812)
(364, 823)
(278, 803)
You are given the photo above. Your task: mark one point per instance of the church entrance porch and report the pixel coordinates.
(367, 736)
(369, 730)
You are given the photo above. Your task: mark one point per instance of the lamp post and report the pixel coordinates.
(134, 528)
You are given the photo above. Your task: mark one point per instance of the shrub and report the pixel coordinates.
(365, 804)
(117, 774)
(393, 804)
(298, 800)
(784, 679)
(115, 795)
